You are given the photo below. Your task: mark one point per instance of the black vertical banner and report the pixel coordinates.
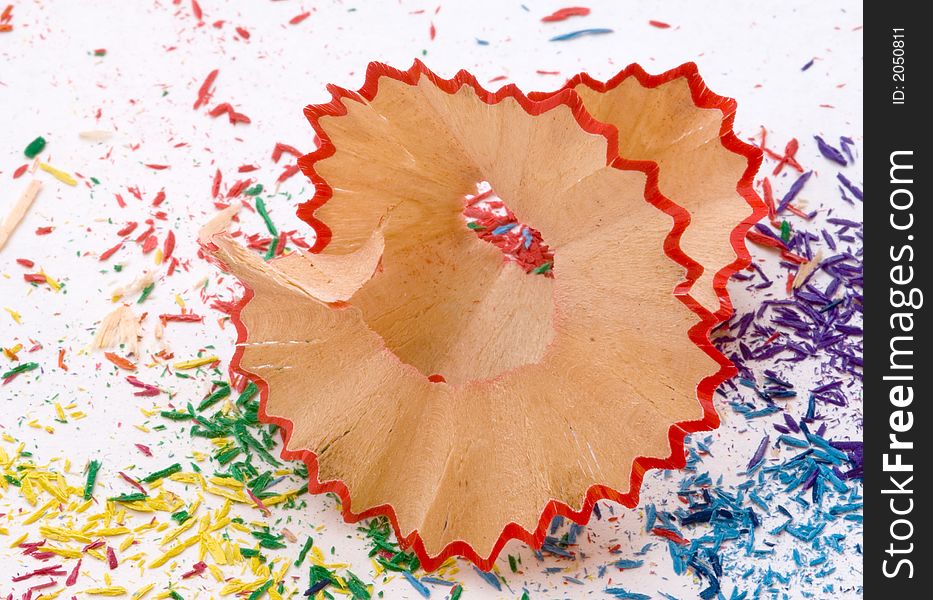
(898, 270)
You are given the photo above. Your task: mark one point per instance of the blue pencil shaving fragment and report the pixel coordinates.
(628, 564)
(419, 587)
(762, 412)
(651, 514)
(840, 509)
(580, 33)
(623, 594)
(792, 441)
(808, 65)
(482, 42)
(573, 533)
(526, 235)
(490, 578)
(554, 549)
(501, 229)
(436, 581)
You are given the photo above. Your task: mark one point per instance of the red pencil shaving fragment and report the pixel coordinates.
(227, 108)
(283, 148)
(73, 577)
(168, 246)
(196, 10)
(205, 92)
(299, 18)
(659, 24)
(215, 186)
(289, 171)
(132, 481)
(150, 244)
(565, 13)
(145, 388)
(243, 32)
(237, 188)
(144, 449)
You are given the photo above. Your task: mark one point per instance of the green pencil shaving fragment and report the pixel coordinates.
(35, 147)
(220, 393)
(543, 268)
(261, 209)
(261, 590)
(20, 369)
(92, 470)
(146, 291)
(170, 470)
(304, 551)
(136, 497)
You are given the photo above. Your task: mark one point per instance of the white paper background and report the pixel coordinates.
(52, 85)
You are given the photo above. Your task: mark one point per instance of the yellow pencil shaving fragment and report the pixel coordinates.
(143, 591)
(16, 316)
(220, 524)
(19, 540)
(51, 281)
(98, 555)
(195, 363)
(236, 586)
(58, 174)
(232, 495)
(229, 482)
(111, 531)
(126, 543)
(113, 590)
(158, 256)
(174, 551)
(84, 506)
(177, 531)
(66, 552)
(40, 513)
(59, 534)
(188, 478)
(51, 596)
(217, 553)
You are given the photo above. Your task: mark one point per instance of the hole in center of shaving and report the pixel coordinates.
(488, 216)
(466, 297)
